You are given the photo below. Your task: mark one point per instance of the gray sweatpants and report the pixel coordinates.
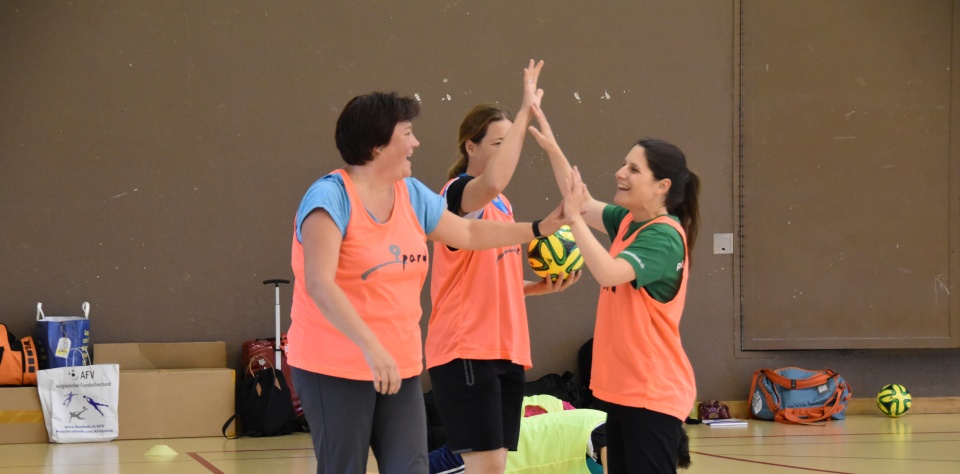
(347, 418)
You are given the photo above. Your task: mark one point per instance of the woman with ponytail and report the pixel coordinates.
(639, 366)
(478, 342)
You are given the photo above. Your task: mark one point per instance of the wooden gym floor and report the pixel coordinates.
(917, 442)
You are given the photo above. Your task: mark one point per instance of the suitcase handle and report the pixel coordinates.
(277, 283)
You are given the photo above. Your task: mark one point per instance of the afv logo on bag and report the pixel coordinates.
(80, 403)
(81, 373)
(84, 378)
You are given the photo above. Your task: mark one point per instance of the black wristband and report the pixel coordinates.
(536, 228)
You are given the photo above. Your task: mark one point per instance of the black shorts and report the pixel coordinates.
(479, 403)
(642, 440)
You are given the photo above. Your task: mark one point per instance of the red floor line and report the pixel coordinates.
(767, 463)
(203, 462)
(825, 435)
(880, 441)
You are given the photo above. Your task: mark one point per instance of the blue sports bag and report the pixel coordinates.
(795, 395)
(63, 341)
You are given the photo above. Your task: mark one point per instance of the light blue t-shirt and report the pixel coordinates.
(330, 194)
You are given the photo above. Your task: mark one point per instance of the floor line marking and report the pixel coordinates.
(203, 462)
(768, 463)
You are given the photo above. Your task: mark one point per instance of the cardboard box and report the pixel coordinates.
(21, 418)
(176, 355)
(176, 390)
(172, 390)
(175, 403)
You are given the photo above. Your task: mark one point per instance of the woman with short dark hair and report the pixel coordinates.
(359, 258)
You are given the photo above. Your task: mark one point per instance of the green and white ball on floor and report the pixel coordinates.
(554, 254)
(894, 400)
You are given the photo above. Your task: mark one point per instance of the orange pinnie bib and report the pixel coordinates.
(638, 360)
(382, 269)
(478, 306)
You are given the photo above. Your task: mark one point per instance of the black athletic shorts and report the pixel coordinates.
(479, 403)
(642, 440)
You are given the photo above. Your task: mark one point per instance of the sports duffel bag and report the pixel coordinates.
(795, 395)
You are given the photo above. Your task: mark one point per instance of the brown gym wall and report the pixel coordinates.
(152, 154)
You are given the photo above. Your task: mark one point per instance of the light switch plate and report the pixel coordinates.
(722, 243)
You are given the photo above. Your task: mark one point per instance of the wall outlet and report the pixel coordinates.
(722, 243)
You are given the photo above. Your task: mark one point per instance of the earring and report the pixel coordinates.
(380, 149)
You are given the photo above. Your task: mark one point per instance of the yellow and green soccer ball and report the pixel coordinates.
(894, 400)
(554, 254)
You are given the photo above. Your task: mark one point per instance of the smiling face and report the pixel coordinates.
(400, 148)
(480, 153)
(637, 188)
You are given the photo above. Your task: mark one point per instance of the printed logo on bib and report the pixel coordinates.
(515, 250)
(398, 257)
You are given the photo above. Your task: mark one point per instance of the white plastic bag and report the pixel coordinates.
(80, 403)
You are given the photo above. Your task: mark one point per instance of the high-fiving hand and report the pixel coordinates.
(531, 95)
(575, 194)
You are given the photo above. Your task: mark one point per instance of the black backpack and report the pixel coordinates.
(264, 406)
(560, 386)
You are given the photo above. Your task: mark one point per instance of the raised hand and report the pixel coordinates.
(575, 195)
(531, 95)
(556, 219)
(544, 135)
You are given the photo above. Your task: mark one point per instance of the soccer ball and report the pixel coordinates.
(554, 254)
(894, 400)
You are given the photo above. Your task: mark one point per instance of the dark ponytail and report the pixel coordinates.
(689, 210)
(683, 200)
